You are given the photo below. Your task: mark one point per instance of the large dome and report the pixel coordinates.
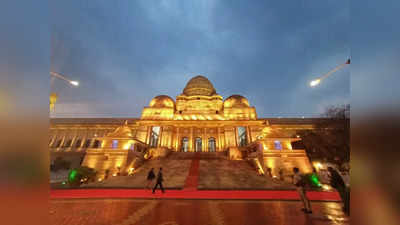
(199, 85)
(236, 101)
(162, 101)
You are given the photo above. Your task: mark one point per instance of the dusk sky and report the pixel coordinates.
(126, 52)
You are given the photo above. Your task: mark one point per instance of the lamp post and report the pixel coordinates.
(53, 95)
(317, 81)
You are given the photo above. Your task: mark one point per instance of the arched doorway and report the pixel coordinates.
(198, 144)
(185, 144)
(211, 144)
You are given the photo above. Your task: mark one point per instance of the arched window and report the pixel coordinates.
(96, 144)
(211, 144)
(155, 134)
(185, 144)
(242, 136)
(198, 144)
(87, 143)
(78, 143)
(278, 145)
(114, 143)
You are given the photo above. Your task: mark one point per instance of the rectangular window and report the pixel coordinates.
(115, 144)
(155, 134)
(278, 145)
(242, 136)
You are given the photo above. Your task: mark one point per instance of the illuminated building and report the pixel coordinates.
(199, 120)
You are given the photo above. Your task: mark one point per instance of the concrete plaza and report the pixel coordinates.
(191, 212)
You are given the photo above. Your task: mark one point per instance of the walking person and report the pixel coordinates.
(159, 182)
(150, 178)
(336, 181)
(300, 187)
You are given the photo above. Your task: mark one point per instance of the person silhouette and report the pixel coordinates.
(160, 179)
(150, 178)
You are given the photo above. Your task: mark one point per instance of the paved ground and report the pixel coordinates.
(191, 212)
(231, 174)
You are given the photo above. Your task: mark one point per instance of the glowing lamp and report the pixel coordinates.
(74, 82)
(315, 82)
(326, 187)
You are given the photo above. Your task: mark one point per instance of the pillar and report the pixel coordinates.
(204, 145)
(191, 149)
(236, 136)
(160, 137)
(248, 134)
(177, 138)
(84, 138)
(63, 140)
(54, 138)
(148, 135)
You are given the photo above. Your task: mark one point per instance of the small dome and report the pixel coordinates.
(236, 101)
(199, 85)
(121, 132)
(162, 101)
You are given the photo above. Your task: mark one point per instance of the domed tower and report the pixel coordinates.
(199, 97)
(161, 107)
(237, 107)
(199, 85)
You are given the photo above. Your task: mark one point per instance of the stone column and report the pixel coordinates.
(205, 141)
(148, 135)
(93, 139)
(177, 138)
(74, 139)
(191, 140)
(236, 136)
(54, 138)
(160, 136)
(218, 136)
(248, 134)
(84, 137)
(63, 139)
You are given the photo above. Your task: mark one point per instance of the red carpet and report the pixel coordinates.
(192, 179)
(189, 194)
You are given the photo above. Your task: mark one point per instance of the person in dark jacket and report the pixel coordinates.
(298, 181)
(150, 178)
(336, 181)
(159, 181)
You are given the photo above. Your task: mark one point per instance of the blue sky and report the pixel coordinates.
(126, 52)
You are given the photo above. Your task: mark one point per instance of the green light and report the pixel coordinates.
(72, 175)
(314, 180)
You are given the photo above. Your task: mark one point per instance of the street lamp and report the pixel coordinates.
(53, 95)
(317, 81)
(57, 75)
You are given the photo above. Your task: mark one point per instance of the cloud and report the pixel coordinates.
(127, 52)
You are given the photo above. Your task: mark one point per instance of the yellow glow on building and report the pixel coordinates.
(289, 145)
(260, 169)
(198, 112)
(317, 165)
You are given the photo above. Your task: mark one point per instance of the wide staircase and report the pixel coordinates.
(198, 155)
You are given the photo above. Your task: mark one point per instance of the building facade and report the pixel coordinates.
(198, 120)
